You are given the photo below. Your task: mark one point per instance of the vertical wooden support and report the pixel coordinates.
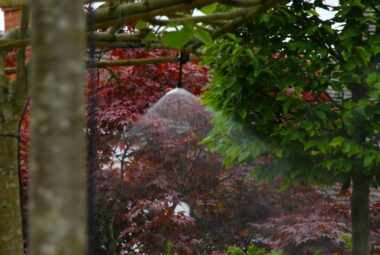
(11, 241)
(22, 85)
(21, 94)
(57, 222)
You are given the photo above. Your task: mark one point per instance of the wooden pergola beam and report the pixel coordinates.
(12, 3)
(127, 13)
(101, 40)
(127, 62)
(21, 3)
(207, 18)
(114, 15)
(141, 61)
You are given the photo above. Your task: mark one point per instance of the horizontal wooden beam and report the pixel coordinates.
(115, 14)
(130, 12)
(139, 61)
(207, 18)
(12, 3)
(6, 45)
(127, 62)
(20, 3)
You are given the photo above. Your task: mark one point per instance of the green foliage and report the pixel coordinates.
(208, 9)
(202, 35)
(347, 239)
(252, 250)
(215, 7)
(169, 248)
(299, 93)
(235, 251)
(177, 39)
(183, 35)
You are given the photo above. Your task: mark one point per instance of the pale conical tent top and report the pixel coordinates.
(177, 113)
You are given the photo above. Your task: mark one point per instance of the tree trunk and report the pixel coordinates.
(57, 163)
(11, 241)
(360, 215)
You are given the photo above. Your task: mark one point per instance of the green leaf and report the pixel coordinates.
(309, 144)
(208, 9)
(231, 36)
(312, 30)
(329, 164)
(337, 141)
(363, 54)
(278, 152)
(283, 187)
(141, 24)
(322, 146)
(203, 36)
(242, 112)
(347, 148)
(371, 79)
(369, 160)
(321, 115)
(244, 155)
(207, 139)
(173, 24)
(328, 29)
(350, 64)
(228, 163)
(373, 94)
(312, 12)
(177, 39)
(315, 153)
(308, 125)
(232, 152)
(149, 37)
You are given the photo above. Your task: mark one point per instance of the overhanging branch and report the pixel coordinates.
(115, 15)
(12, 3)
(131, 12)
(128, 62)
(141, 61)
(207, 18)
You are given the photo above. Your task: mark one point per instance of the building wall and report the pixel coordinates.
(12, 17)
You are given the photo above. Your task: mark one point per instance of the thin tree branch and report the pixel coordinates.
(127, 13)
(128, 62)
(207, 18)
(142, 61)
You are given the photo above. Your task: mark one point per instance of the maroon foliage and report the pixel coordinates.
(151, 162)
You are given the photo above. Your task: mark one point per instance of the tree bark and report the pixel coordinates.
(360, 188)
(57, 163)
(360, 215)
(11, 241)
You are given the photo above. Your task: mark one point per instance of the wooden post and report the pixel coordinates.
(57, 163)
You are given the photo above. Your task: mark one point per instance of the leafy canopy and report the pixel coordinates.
(300, 93)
